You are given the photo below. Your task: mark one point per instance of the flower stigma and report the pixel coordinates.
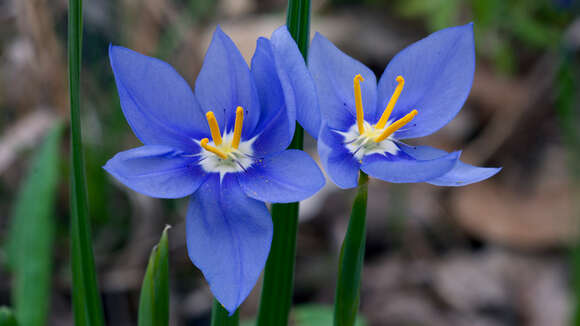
(226, 153)
(365, 139)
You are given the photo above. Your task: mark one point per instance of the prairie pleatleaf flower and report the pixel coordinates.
(420, 91)
(225, 145)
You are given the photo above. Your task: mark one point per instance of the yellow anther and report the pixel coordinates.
(396, 126)
(209, 148)
(358, 102)
(389, 109)
(238, 127)
(214, 128)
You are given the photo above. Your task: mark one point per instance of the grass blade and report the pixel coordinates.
(7, 317)
(154, 301)
(31, 237)
(278, 283)
(350, 264)
(87, 305)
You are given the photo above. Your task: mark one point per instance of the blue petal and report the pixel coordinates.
(333, 73)
(438, 72)
(228, 238)
(157, 171)
(284, 177)
(338, 162)
(224, 83)
(461, 175)
(402, 168)
(156, 101)
(277, 119)
(298, 84)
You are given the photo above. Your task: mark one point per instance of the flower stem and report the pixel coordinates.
(298, 23)
(278, 283)
(220, 316)
(279, 273)
(351, 259)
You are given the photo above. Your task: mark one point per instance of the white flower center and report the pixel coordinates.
(365, 144)
(237, 159)
(226, 153)
(363, 138)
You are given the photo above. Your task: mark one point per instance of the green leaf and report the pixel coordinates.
(31, 236)
(220, 316)
(317, 315)
(154, 301)
(7, 317)
(311, 315)
(86, 301)
(276, 298)
(350, 265)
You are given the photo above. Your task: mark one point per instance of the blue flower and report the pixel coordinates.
(420, 91)
(225, 145)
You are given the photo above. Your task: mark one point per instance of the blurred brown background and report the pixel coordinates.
(502, 252)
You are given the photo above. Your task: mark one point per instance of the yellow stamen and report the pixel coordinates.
(238, 127)
(209, 148)
(214, 128)
(389, 109)
(358, 102)
(396, 126)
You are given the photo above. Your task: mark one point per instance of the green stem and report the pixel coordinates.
(276, 297)
(298, 23)
(278, 283)
(87, 305)
(351, 259)
(220, 316)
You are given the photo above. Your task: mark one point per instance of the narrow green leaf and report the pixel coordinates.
(351, 259)
(220, 316)
(7, 317)
(311, 315)
(86, 302)
(31, 236)
(278, 283)
(317, 315)
(154, 301)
